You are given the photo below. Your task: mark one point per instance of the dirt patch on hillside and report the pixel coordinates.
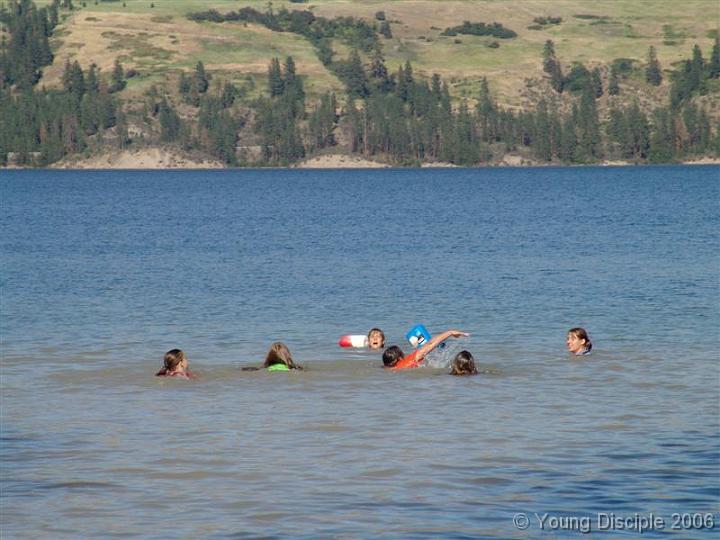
(340, 161)
(147, 158)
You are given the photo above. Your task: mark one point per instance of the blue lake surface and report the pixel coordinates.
(104, 271)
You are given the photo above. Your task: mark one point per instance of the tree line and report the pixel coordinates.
(396, 116)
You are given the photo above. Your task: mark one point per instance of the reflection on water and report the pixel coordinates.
(92, 445)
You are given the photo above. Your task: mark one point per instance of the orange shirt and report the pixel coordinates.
(407, 362)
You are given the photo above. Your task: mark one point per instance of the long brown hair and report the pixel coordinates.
(280, 354)
(582, 335)
(463, 364)
(172, 359)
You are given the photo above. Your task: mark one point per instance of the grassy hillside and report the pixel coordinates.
(160, 41)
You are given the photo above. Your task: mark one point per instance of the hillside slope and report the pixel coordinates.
(405, 82)
(160, 40)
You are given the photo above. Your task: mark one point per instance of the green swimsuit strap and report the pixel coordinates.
(278, 367)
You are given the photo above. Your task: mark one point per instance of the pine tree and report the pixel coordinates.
(77, 80)
(117, 78)
(548, 56)
(91, 82)
(555, 132)
(107, 109)
(89, 114)
(662, 140)
(466, 144)
(541, 135)
(121, 131)
(293, 88)
(703, 132)
(436, 86)
(53, 15)
(229, 92)
(569, 142)
(653, 74)
(714, 64)
(355, 126)
(697, 71)
(379, 73)
(487, 114)
(201, 78)
(613, 85)
(597, 82)
(616, 128)
(639, 133)
(405, 81)
(184, 85)
(589, 139)
(355, 78)
(551, 66)
(321, 124)
(170, 123)
(275, 80)
(67, 76)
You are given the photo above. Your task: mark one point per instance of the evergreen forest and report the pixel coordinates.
(387, 113)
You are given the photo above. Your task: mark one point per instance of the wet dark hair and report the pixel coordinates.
(379, 331)
(463, 364)
(582, 334)
(171, 361)
(280, 354)
(391, 355)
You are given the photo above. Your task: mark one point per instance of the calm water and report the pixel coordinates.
(102, 272)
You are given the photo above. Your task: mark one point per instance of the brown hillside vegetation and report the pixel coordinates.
(160, 41)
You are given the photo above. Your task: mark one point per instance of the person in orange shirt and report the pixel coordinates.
(394, 358)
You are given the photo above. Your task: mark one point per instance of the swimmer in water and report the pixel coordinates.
(175, 364)
(578, 342)
(279, 358)
(376, 339)
(463, 364)
(394, 358)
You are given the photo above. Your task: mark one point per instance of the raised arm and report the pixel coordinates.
(437, 340)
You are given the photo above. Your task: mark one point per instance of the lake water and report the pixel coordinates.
(102, 272)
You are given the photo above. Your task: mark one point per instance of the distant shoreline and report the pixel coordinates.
(159, 158)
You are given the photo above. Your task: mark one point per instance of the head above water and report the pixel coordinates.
(392, 355)
(463, 364)
(578, 341)
(376, 338)
(174, 361)
(279, 354)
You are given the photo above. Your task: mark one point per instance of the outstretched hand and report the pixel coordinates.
(458, 333)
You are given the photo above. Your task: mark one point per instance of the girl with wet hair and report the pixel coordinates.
(463, 364)
(578, 342)
(279, 358)
(175, 364)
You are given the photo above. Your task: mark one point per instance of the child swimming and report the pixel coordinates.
(278, 358)
(578, 342)
(175, 364)
(394, 358)
(463, 364)
(376, 339)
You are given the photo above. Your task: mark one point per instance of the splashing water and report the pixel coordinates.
(443, 356)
